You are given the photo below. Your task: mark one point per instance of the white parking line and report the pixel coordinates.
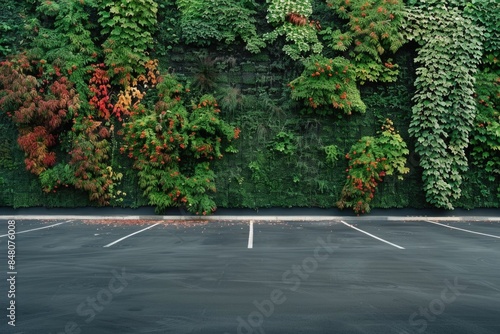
(127, 236)
(250, 235)
(464, 230)
(38, 228)
(371, 235)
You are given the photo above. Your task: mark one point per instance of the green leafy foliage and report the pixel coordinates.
(87, 167)
(128, 27)
(5, 48)
(12, 21)
(63, 34)
(485, 137)
(282, 160)
(278, 10)
(173, 147)
(372, 30)
(486, 14)
(370, 160)
(291, 19)
(61, 175)
(328, 85)
(169, 30)
(284, 142)
(444, 108)
(204, 22)
(332, 154)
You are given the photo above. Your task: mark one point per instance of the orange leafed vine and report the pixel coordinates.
(135, 89)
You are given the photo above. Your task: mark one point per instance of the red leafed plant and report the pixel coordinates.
(99, 85)
(130, 96)
(39, 106)
(36, 144)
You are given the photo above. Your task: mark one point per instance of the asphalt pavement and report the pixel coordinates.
(369, 276)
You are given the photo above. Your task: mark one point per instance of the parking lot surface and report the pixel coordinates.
(369, 276)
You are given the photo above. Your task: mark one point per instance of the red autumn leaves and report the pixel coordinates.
(99, 85)
(40, 103)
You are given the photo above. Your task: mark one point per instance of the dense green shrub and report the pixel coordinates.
(328, 85)
(370, 160)
(209, 21)
(485, 137)
(172, 147)
(372, 32)
(291, 20)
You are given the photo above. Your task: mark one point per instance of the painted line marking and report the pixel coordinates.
(464, 230)
(250, 235)
(38, 228)
(128, 236)
(371, 235)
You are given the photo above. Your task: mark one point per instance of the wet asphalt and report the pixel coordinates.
(298, 277)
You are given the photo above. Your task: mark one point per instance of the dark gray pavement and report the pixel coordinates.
(405, 277)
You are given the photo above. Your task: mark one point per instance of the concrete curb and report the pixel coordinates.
(248, 218)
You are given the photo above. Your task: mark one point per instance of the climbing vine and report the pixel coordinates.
(444, 110)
